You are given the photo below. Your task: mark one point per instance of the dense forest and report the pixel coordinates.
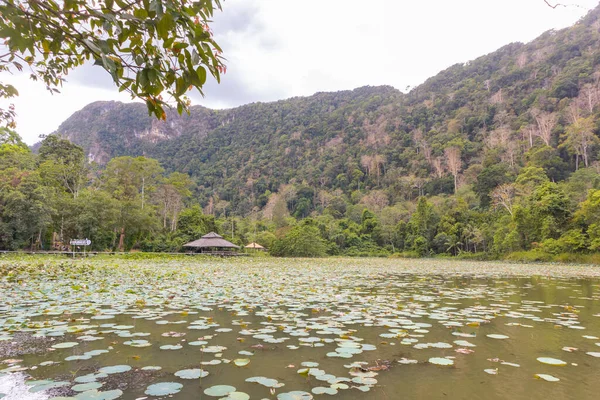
(489, 158)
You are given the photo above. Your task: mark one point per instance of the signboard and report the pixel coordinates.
(80, 242)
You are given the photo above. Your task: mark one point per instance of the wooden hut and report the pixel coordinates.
(211, 243)
(255, 246)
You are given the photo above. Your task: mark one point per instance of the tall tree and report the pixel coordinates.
(454, 163)
(62, 164)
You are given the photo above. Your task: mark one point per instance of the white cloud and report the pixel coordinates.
(284, 48)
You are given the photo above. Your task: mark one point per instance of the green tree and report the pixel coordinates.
(147, 46)
(127, 179)
(304, 240)
(24, 210)
(170, 197)
(62, 164)
(13, 152)
(193, 223)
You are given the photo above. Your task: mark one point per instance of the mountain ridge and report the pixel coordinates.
(373, 137)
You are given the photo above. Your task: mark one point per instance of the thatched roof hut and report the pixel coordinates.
(211, 241)
(255, 246)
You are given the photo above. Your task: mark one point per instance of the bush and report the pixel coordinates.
(302, 241)
(406, 254)
(572, 241)
(529, 256)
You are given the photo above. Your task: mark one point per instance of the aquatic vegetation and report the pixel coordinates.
(291, 329)
(163, 388)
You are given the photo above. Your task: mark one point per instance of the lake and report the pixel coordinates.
(297, 329)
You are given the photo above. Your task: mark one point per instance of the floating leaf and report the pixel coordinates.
(191, 373)
(171, 347)
(441, 361)
(547, 378)
(86, 386)
(295, 395)
(96, 395)
(324, 390)
(115, 369)
(65, 345)
(551, 361)
(241, 362)
(163, 389)
(497, 336)
(219, 390)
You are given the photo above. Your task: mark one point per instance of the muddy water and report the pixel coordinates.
(396, 324)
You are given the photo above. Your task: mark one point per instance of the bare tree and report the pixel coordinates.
(438, 167)
(417, 136)
(454, 163)
(426, 151)
(529, 132)
(210, 207)
(373, 164)
(375, 200)
(367, 162)
(580, 138)
(379, 161)
(504, 195)
(545, 123)
(590, 96)
(573, 112)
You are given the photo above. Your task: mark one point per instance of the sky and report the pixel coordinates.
(276, 49)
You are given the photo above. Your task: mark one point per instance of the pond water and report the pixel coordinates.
(350, 329)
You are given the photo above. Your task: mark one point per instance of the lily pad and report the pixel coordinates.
(151, 368)
(324, 390)
(65, 345)
(219, 390)
(241, 362)
(96, 395)
(82, 387)
(295, 395)
(441, 361)
(547, 378)
(171, 347)
(195, 373)
(115, 369)
(163, 389)
(237, 396)
(497, 336)
(552, 361)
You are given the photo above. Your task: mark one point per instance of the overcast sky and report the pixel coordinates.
(277, 49)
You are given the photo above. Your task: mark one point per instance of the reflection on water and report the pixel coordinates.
(64, 331)
(14, 388)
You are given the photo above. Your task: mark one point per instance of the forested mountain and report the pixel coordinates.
(498, 106)
(496, 154)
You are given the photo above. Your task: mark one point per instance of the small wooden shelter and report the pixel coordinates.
(255, 246)
(211, 243)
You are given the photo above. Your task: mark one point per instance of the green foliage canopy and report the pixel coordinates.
(149, 47)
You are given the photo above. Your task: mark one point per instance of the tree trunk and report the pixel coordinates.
(143, 188)
(122, 240)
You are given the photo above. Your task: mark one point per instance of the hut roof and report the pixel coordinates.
(254, 245)
(211, 240)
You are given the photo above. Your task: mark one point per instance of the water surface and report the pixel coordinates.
(368, 329)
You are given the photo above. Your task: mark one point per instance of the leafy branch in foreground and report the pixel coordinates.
(149, 47)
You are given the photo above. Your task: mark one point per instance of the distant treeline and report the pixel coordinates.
(51, 197)
(495, 157)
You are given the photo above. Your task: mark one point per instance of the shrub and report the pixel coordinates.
(302, 241)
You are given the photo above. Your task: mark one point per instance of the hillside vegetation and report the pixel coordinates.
(497, 155)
